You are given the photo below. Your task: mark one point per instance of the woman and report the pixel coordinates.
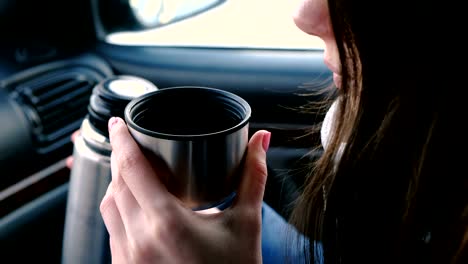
(388, 187)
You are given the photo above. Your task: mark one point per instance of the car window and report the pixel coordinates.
(233, 23)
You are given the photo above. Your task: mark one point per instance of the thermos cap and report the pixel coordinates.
(111, 96)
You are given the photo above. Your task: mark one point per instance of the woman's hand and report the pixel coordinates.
(147, 224)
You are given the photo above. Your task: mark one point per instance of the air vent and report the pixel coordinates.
(56, 104)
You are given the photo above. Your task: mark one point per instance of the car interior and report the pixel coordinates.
(53, 53)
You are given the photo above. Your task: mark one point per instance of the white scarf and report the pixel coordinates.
(327, 129)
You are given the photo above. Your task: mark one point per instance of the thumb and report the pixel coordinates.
(253, 179)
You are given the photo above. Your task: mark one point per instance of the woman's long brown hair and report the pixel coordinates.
(398, 190)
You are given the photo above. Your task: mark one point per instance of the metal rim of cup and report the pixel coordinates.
(234, 100)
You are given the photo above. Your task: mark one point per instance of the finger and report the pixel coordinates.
(128, 207)
(74, 135)
(69, 162)
(134, 168)
(252, 185)
(119, 253)
(112, 219)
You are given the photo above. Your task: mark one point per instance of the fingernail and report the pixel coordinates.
(112, 122)
(266, 141)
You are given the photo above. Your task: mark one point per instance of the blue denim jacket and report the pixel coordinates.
(281, 242)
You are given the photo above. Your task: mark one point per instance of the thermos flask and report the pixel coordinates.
(85, 238)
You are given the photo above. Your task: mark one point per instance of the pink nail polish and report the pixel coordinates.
(112, 122)
(266, 141)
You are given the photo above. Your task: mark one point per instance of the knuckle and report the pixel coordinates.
(163, 209)
(105, 204)
(141, 250)
(259, 170)
(259, 167)
(118, 187)
(126, 161)
(169, 227)
(252, 221)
